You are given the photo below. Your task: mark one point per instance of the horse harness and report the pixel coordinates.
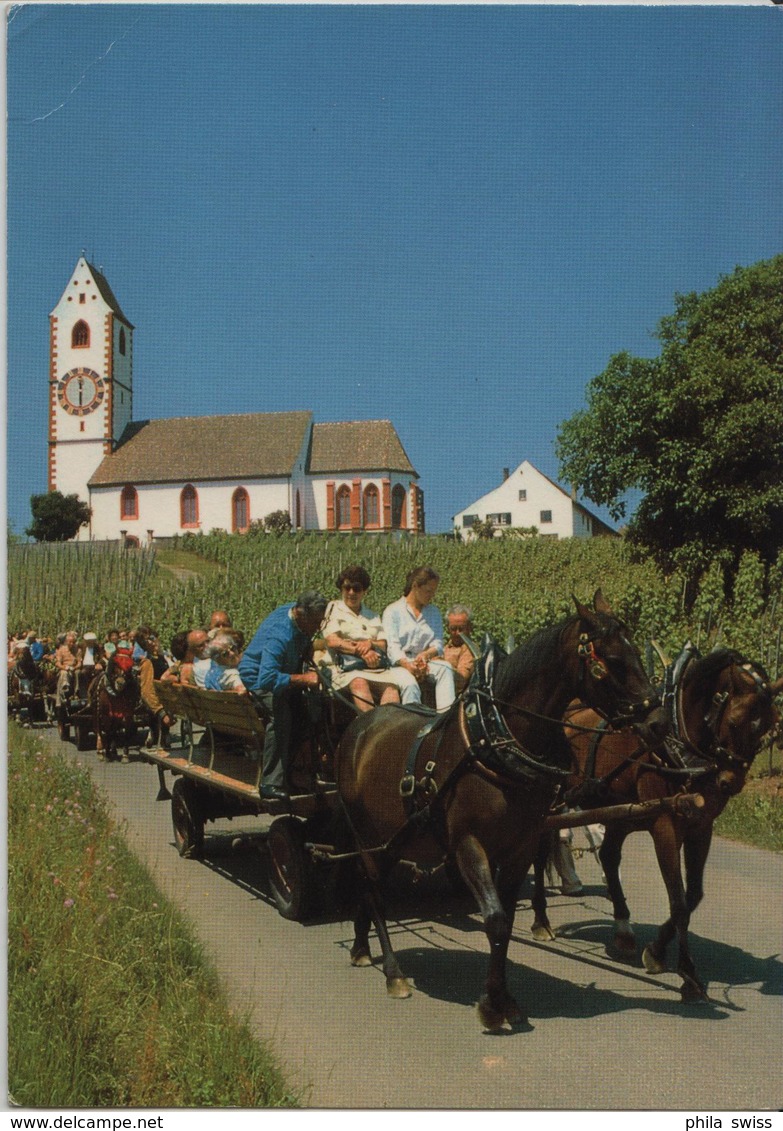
(685, 759)
(491, 751)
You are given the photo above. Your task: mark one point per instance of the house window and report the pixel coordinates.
(502, 519)
(343, 507)
(398, 507)
(80, 337)
(469, 519)
(298, 511)
(122, 341)
(546, 516)
(523, 496)
(129, 502)
(188, 506)
(372, 507)
(240, 510)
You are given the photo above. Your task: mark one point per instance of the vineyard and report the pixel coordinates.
(513, 587)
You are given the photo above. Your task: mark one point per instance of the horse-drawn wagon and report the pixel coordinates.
(471, 787)
(217, 772)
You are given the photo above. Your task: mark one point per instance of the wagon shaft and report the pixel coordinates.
(685, 804)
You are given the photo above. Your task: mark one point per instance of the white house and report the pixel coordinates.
(526, 497)
(156, 478)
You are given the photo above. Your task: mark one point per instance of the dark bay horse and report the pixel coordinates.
(115, 696)
(720, 706)
(474, 784)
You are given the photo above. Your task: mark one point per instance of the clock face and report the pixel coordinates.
(80, 391)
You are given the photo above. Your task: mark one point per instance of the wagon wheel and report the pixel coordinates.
(291, 869)
(187, 819)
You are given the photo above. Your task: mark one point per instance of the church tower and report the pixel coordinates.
(90, 380)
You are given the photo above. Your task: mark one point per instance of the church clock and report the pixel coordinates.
(80, 391)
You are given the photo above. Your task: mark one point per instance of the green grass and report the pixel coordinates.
(112, 1002)
(754, 819)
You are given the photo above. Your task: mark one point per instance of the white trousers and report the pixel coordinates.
(441, 674)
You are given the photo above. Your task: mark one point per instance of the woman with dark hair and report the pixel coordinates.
(414, 630)
(355, 638)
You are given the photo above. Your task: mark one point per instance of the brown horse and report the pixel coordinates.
(24, 687)
(115, 696)
(474, 784)
(720, 707)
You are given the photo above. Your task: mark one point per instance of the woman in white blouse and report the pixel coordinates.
(353, 631)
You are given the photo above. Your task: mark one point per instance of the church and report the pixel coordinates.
(150, 479)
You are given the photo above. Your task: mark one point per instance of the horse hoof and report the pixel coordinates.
(692, 991)
(398, 987)
(652, 964)
(542, 932)
(514, 1014)
(361, 958)
(625, 944)
(492, 1020)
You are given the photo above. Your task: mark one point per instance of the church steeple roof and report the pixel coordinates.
(107, 294)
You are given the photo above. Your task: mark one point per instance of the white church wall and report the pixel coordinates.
(158, 508)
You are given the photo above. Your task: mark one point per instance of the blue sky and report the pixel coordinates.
(446, 216)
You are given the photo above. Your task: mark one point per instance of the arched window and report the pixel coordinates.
(240, 510)
(188, 506)
(372, 506)
(80, 336)
(122, 341)
(399, 516)
(343, 507)
(129, 502)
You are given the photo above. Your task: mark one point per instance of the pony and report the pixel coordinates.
(720, 707)
(115, 696)
(474, 784)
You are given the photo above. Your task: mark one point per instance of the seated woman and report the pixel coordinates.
(353, 631)
(414, 630)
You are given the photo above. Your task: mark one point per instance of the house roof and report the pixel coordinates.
(107, 294)
(256, 445)
(357, 445)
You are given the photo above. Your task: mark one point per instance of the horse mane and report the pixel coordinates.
(538, 652)
(700, 675)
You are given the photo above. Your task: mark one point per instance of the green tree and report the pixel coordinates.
(57, 517)
(278, 522)
(698, 429)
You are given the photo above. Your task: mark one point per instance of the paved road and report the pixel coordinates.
(602, 1034)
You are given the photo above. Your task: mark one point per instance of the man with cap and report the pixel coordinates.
(271, 670)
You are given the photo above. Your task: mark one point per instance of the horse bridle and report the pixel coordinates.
(719, 754)
(627, 712)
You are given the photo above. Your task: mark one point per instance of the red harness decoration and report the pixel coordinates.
(586, 649)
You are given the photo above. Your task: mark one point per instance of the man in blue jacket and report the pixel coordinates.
(271, 670)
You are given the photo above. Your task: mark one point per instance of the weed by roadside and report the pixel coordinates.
(111, 1000)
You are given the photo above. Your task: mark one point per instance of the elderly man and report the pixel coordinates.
(196, 646)
(459, 620)
(271, 670)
